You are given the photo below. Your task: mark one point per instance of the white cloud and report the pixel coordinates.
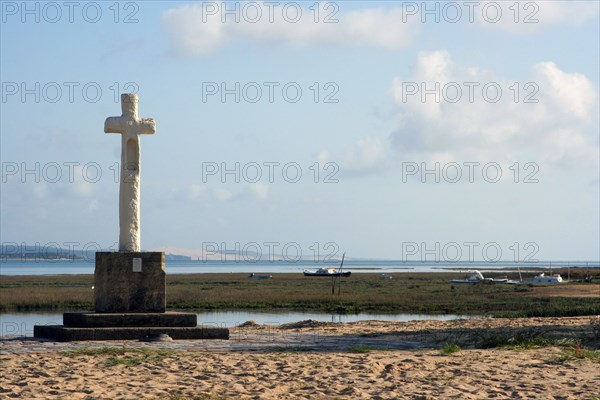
(368, 153)
(194, 31)
(196, 191)
(571, 93)
(222, 194)
(83, 188)
(366, 156)
(259, 190)
(558, 129)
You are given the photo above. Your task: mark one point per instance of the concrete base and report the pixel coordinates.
(127, 282)
(115, 320)
(127, 326)
(63, 333)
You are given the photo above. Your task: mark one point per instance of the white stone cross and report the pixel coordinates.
(130, 126)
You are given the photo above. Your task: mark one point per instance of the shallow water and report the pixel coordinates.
(71, 267)
(21, 324)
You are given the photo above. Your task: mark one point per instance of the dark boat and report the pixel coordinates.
(259, 277)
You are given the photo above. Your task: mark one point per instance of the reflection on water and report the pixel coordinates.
(21, 324)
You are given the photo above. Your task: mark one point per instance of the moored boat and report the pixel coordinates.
(471, 280)
(540, 279)
(330, 272)
(477, 277)
(326, 272)
(545, 279)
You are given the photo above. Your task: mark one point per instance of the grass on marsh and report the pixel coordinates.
(411, 292)
(45, 293)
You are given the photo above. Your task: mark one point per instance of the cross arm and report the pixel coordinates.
(114, 125)
(147, 126)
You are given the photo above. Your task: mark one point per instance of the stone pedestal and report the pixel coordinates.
(130, 301)
(127, 282)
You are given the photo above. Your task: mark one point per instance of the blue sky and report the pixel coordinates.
(171, 53)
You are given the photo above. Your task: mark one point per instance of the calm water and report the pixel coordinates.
(71, 267)
(21, 324)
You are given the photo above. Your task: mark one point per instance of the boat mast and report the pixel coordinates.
(341, 265)
(334, 277)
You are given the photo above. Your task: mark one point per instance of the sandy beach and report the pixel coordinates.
(315, 360)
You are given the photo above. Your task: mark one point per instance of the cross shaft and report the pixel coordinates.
(130, 126)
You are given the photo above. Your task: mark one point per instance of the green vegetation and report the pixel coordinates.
(532, 338)
(290, 349)
(410, 292)
(578, 352)
(449, 348)
(95, 351)
(203, 396)
(535, 342)
(550, 307)
(522, 339)
(363, 348)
